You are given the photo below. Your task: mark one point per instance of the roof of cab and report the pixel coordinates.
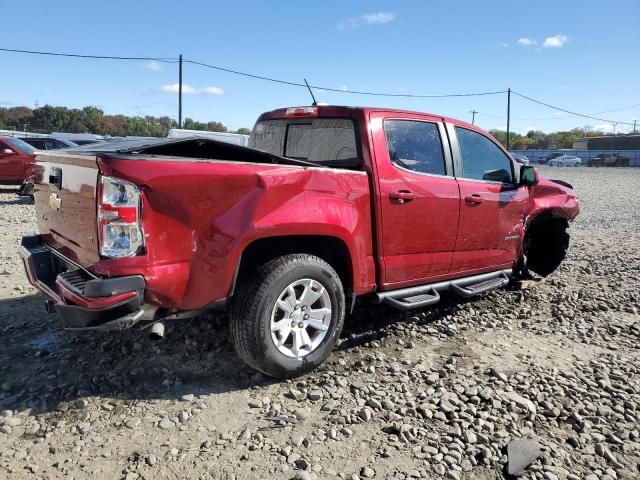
(351, 111)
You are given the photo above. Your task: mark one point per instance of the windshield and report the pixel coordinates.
(327, 141)
(22, 147)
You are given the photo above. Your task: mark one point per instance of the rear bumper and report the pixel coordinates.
(83, 300)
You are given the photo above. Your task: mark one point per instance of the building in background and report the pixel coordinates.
(608, 142)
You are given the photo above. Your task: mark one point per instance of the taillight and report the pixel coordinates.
(119, 226)
(302, 112)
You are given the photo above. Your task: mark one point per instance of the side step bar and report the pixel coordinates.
(424, 295)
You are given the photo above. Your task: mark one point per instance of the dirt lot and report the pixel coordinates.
(438, 394)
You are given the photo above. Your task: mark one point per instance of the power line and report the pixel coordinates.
(628, 107)
(251, 75)
(77, 55)
(339, 90)
(569, 111)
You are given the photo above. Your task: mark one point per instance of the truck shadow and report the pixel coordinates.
(43, 367)
(17, 201)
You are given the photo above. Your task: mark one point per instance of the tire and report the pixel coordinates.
(256, 307)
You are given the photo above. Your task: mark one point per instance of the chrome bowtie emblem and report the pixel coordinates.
(55, 201)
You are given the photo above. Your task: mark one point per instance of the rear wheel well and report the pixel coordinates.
(331, 249)
(546, 243)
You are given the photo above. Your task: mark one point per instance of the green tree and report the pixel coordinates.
(91, 119)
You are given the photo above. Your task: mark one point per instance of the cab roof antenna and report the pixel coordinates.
(311, 92)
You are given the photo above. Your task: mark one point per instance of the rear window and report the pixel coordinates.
(328, 141)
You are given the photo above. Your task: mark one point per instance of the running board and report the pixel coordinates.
(424, 295)
(480, 287)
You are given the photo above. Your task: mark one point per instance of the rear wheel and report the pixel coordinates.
(287, 317)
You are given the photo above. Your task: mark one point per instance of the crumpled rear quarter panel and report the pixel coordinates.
(198, 216)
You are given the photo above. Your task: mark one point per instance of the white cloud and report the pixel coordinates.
(526, 42)
(344, 88)
(376, 18)
(555, 42)
(153, 65)
(503, 45)
(379, 17)
(189, 90)
(607, 127)
(212, 90)
(528, 129)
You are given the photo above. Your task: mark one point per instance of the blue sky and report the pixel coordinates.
(579, 55)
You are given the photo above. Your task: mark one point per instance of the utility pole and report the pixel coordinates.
(508, 115)
(180, 92)
(634, 126)
(473, 116)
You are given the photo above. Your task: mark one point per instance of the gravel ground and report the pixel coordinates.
(548, 374)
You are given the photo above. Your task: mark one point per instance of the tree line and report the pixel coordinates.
(535, 139)
(90, 119)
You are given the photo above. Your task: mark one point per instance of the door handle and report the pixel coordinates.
(402, 196)
(475, 199)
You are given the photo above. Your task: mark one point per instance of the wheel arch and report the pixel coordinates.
(331, 249)
(546, 241)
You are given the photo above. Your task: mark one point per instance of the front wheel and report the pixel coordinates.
(288, 316)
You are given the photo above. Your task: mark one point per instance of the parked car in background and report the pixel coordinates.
(551, 156)
(565, 161)
(78, 138)
(329, 204)
(609, 160)
(48, 143)
(16, 160)
(521, 159)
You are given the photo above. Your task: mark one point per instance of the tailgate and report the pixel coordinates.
(65, 201)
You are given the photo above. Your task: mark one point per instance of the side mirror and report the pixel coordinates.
(7, 151)
(528, 175)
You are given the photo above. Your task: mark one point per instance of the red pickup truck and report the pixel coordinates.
(16, 160)
(328, 204)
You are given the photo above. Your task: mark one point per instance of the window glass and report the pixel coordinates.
(415, 146)
(19, 145)
(482, 159)
(328, 141)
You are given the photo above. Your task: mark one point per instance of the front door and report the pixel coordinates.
(418, 199)
(492, 205)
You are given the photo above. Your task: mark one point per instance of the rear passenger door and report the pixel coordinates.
(492, 204)
(418, 199)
